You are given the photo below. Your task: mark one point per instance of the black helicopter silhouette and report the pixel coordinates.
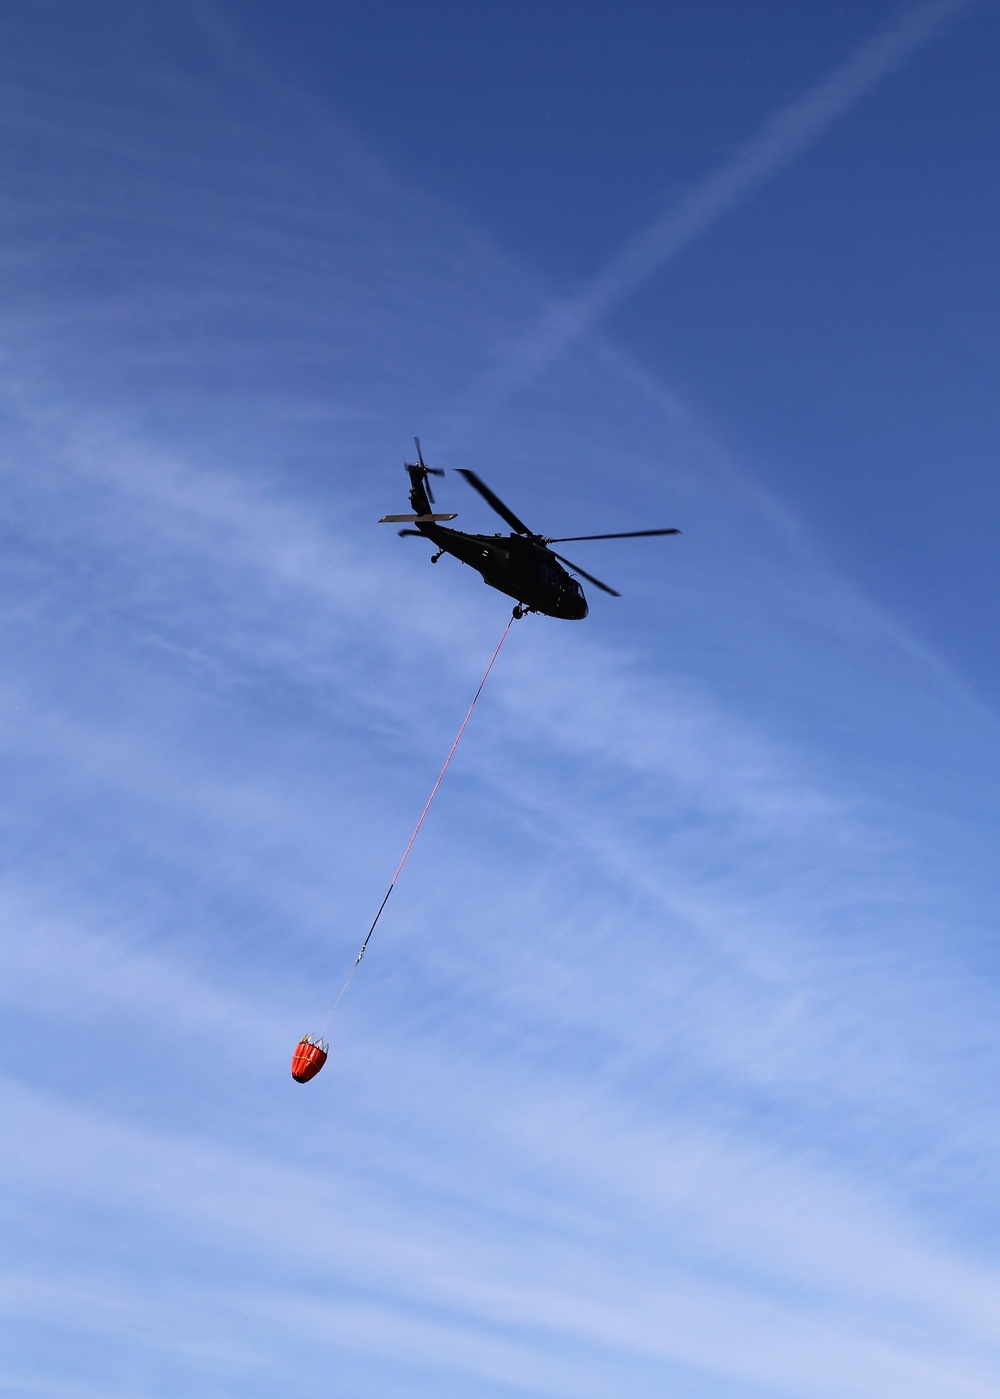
(519, 564)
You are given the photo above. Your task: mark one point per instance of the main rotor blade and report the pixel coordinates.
(589, 576)
(629, 534)
(494, 500)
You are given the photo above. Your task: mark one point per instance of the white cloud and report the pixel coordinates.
(786, 135)
(644, 1078)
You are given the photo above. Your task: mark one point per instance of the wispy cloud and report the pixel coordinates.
(784, 137)
(646, 1083)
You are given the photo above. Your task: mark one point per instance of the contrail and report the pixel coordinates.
(783, 137)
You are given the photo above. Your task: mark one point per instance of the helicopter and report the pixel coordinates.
(520, 564)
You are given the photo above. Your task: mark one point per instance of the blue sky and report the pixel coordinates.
(672, 1068)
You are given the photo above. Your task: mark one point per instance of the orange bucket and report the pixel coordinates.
(309, 1057)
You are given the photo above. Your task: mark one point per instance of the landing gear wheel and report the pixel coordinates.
(519, 612)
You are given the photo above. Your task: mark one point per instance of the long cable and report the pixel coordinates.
(416, 831)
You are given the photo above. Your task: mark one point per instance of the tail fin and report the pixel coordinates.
(421, 495)
(419, 498)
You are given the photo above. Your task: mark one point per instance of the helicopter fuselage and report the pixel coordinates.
(519, 566)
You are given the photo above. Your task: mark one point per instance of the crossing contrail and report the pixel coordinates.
(784, 136)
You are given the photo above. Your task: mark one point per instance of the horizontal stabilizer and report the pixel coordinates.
(414, 519)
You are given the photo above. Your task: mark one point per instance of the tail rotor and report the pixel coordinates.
(427, 470)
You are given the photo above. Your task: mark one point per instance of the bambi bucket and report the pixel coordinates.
(309, 1057)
